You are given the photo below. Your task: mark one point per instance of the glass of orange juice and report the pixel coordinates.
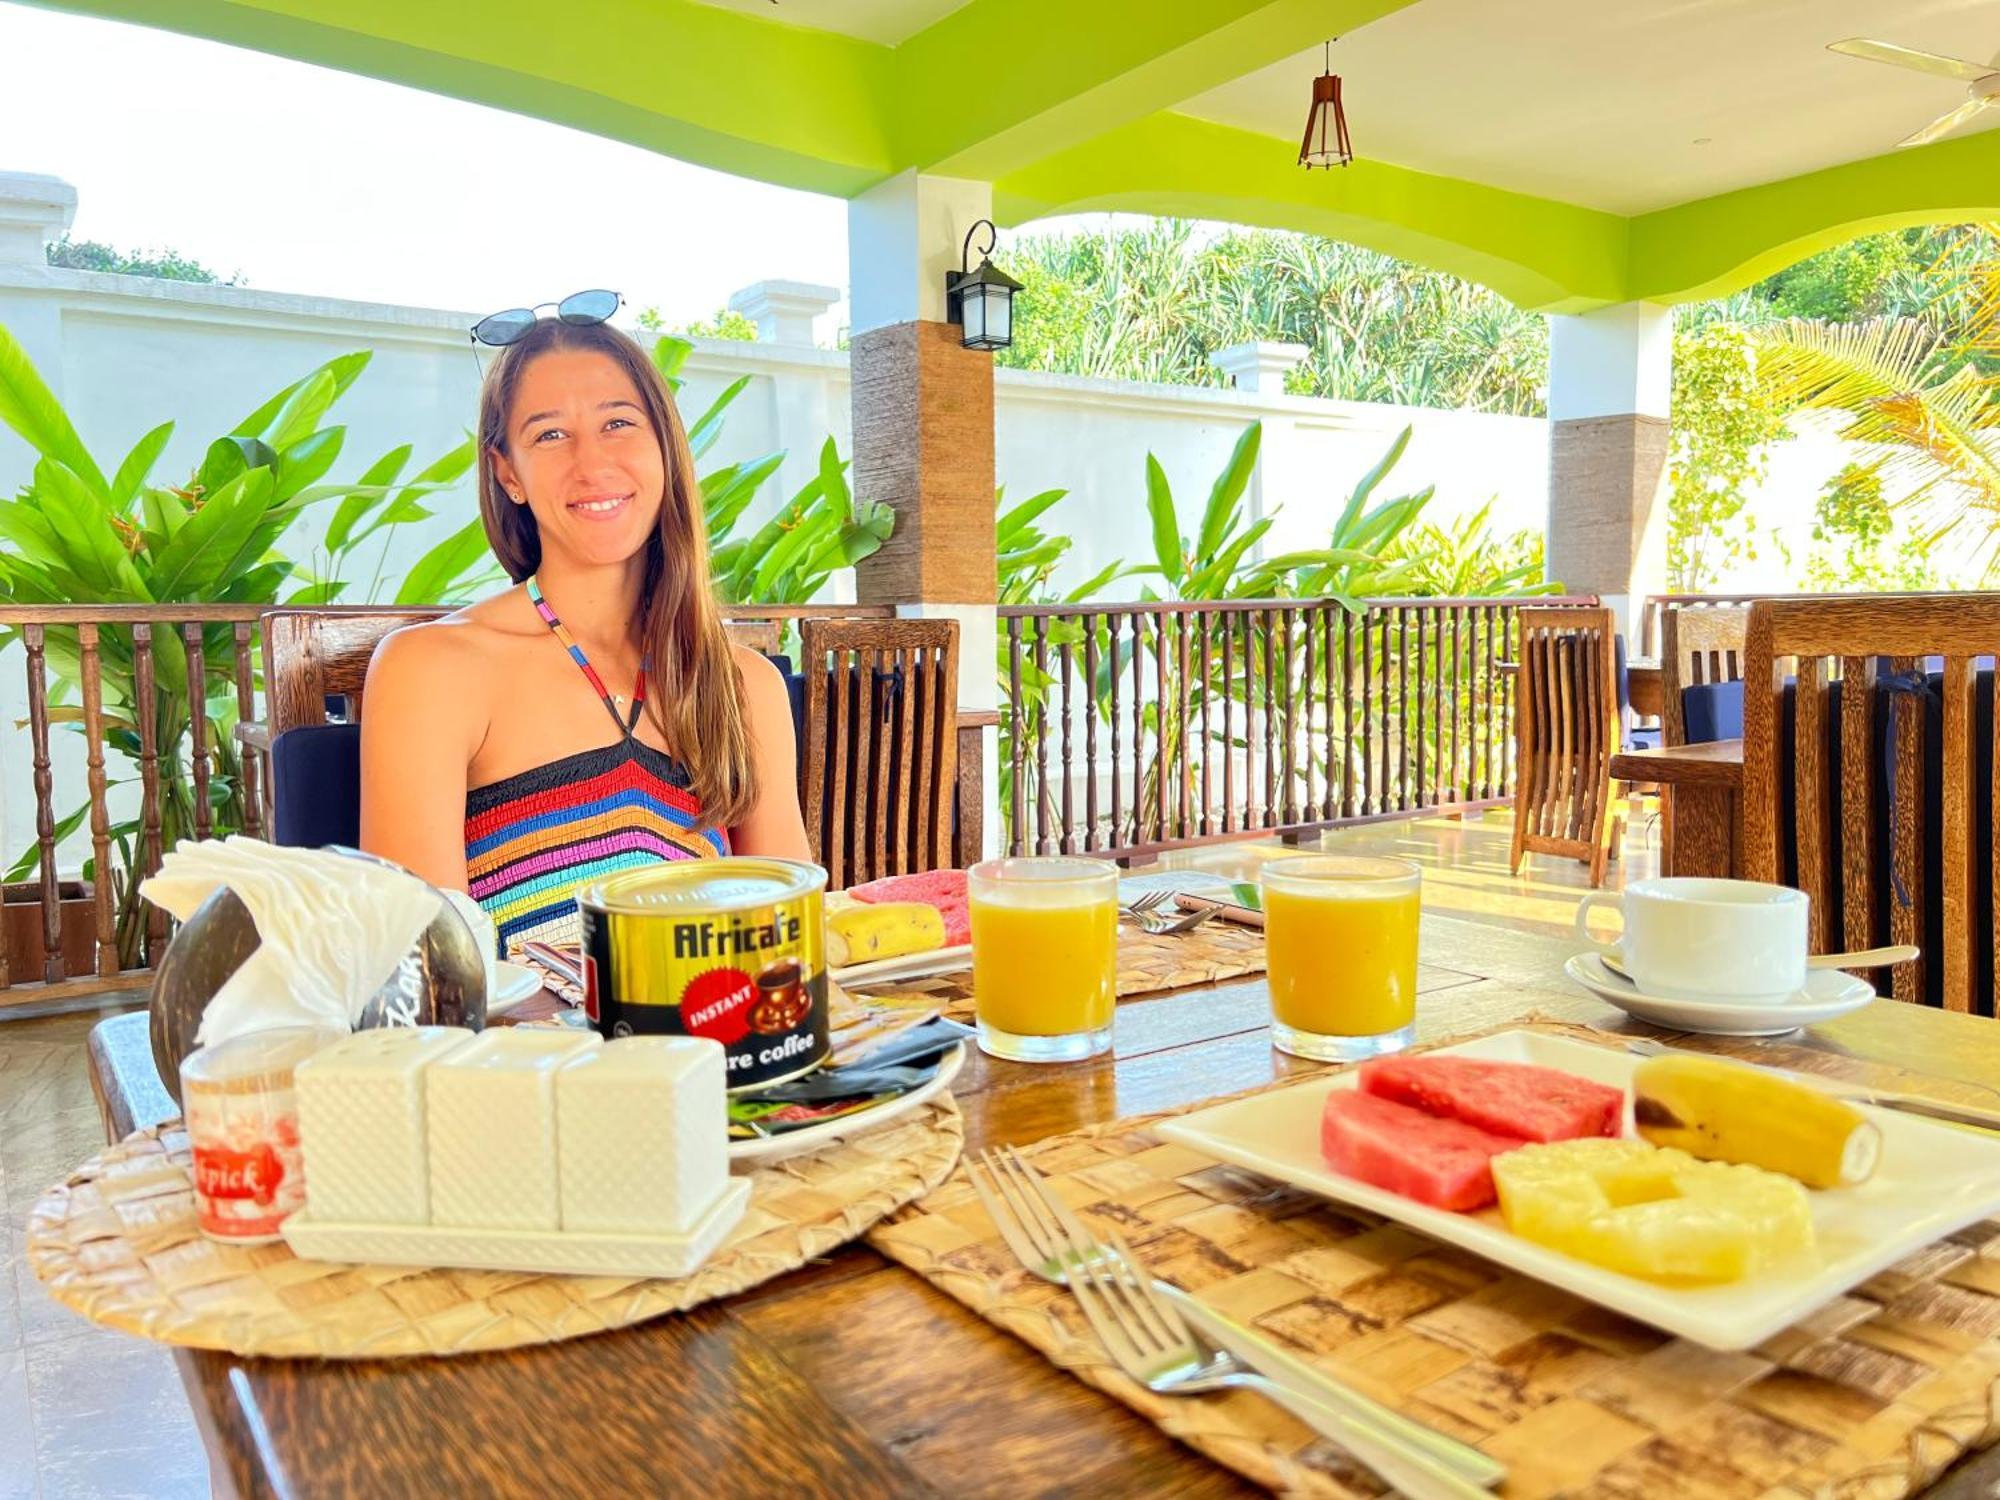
(1044, 956)
(1341, 949)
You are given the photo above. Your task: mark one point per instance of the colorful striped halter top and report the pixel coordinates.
(533, 838)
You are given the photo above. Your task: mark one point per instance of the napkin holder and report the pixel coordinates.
(440, 982)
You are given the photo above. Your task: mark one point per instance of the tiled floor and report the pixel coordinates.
(89, 1413)
(84, 1413)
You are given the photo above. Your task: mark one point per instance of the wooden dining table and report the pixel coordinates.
(854, 1376)
(1701, 792)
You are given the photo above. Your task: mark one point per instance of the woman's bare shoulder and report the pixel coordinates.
(478, 636)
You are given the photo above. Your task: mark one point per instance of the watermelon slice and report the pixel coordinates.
(1445, 1163)
(944, 889)
(1516, 1099)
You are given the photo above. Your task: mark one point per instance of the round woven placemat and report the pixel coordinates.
(118, 1243)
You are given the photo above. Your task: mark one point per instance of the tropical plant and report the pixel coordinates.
(162, 265)
(1919, 397)
(1378, 329)
(1465, 560)
(75, 535)
(1726, 416)
(821, 529)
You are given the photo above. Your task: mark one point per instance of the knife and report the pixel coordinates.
(1307, 1383)
(1855, 1093)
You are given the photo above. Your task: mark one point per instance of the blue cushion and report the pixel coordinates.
(316, 786)
(1643, 737)
(1713, 711)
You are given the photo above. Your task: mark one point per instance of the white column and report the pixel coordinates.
(1610, 383)
(903, 237)
(1260, 366)
(784, 311)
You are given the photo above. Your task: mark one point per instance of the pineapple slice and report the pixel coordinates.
(1649, 1212)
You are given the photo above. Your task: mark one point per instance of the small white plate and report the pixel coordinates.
(512, 983)
(1828, 993)
(812, 1137)
(909, 966)
(1933, 1180)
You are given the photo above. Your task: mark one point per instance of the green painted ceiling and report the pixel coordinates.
(1147, 106)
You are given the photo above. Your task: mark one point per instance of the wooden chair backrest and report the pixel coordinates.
(1566, 731)
(881, 745)
(1698, 647)
(1848, 639)
(312, 655)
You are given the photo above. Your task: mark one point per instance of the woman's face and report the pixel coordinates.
(582, 454)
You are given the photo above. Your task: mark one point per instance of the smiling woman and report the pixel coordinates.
(485, 764)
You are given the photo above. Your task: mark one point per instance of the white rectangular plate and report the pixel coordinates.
(909, 966)
(1933, 1179)
(666, 1256)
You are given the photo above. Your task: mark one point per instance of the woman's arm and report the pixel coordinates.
(419, 728)
(775, 826)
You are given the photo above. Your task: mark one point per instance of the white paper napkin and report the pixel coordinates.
(330, 929)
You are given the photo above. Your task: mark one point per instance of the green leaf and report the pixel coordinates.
(319, 591)
(29, 531)
(229, 457)
(305, 461)
(301, 414)
(29, 407)
(1166, 529)
(343, 370)
(833, 480)
(82, 527)
(1220, 513)
(138, 465)
(440, 474)
(1366, 487)
(708, 427)
(1012, 522)
(670, 352)
(215, 542)
(31, 857)
(369, 491)
(432, 577)
(1090, 586)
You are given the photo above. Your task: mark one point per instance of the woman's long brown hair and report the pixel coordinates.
(693, 693)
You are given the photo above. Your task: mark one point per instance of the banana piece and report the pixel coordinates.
(1725, 1111)
(863, 933)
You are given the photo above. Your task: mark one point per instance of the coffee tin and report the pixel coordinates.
(732, 949)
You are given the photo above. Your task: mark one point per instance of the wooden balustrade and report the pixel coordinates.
(1261, 715)
(117, 675)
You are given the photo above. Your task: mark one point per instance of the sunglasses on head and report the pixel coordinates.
(579, 309)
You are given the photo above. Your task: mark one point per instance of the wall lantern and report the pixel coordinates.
(981, 301)
(1326, 143)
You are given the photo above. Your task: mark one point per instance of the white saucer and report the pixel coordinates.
(512, 983)
(1828, 993)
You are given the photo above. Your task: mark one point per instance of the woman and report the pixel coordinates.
(594, 717)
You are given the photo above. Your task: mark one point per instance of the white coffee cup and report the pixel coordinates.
(1690, 938)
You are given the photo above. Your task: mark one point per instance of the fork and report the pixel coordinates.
(1145, 910)
(1150, 1341)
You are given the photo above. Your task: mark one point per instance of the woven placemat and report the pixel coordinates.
(118, 1243)
(1872, 1396)
(1147, 965)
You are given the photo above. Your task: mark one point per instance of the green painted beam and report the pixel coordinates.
(1536, 252)
(779, 103)
(1000, 84)
(1714, 246)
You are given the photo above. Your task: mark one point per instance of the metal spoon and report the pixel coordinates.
(1862, 958)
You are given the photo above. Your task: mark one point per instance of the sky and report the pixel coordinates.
(311, 180)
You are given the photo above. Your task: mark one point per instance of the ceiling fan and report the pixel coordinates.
(1982, 81)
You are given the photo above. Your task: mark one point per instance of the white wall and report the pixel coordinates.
(124, 354)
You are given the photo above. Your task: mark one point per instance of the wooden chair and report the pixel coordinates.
(1851, 792)
(1698, 647)
(880, 763)
(1565, 733)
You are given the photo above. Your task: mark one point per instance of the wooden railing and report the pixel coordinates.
(1134, 728)
(117, 675)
